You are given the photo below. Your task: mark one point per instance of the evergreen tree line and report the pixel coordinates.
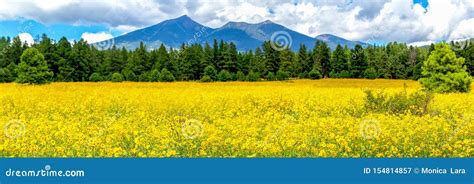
(80, 61)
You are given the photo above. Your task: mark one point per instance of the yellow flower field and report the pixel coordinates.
(300, 118)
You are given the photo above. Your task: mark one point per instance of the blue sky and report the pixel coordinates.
(423, 3)
(417, 21)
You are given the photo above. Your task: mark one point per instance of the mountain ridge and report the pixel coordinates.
(246, 36)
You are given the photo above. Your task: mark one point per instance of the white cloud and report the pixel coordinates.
(465, 29)
(26, 37)
(96, 37)
(365, 20)
(421, 43)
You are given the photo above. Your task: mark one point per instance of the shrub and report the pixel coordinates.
(240, 76)
(315, 74)
(206, 78)
(303, 75)
(271, 76)
(211, 72)
(33, 68)
(253, 76)
(342, 74)
(371, 73)
(144, 77)
(166, 76)
(443, 72)
(154, 76)
(6, 75)
(224, 76)
(233, 76)
(117, 77)
(96, 77)
(399, 103)
(129, 75)
(282, 75)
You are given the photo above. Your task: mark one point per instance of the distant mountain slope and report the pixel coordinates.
(246, 36)
(172, 33)
(333, 41)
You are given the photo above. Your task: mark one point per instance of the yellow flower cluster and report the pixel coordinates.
(301, 118)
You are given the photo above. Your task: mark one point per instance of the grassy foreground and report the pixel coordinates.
(302, 118)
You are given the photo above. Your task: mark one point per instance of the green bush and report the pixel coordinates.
(282, 75)
(117, 77)
(271, 76)
(154, 76)
(303, 75)
(443, 72)
(33, 68)
(399, 103)
(224, 76)
(96, 77)
(206, 78)
(129, 75)
(233, 76)
(144, 77)
(342, 74)
(253, 77)
(6, 75)
(315, 74)
(240, 76)
(211, 72)
(371, 73)
(166, 76)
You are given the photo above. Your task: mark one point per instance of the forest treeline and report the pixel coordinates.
(221, 61)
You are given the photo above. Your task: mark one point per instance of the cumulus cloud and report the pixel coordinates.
(26, 37)
(371, 21)
(421, 43)
(465, 29)
(96, 37)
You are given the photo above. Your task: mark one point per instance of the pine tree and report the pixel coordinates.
(272, 57)
(304, 64)
(79, 61)
(230, 58)
(48, 49)
(286, 59)
(162, 58)
(358, 62)
(65, 67)
(321, 57)
(339, 62)
(444, 72)
(139, 61)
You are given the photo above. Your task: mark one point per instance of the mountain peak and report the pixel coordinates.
(182, 22)
(246, 36)
(184, 18)
(267, 22)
